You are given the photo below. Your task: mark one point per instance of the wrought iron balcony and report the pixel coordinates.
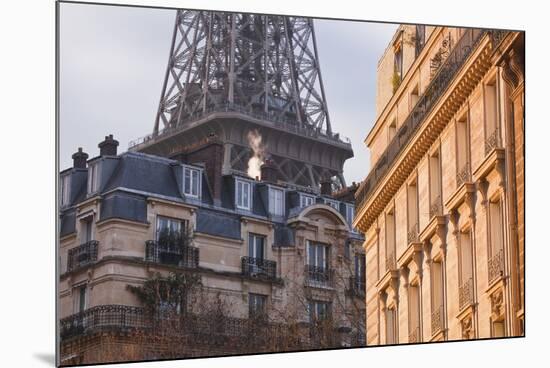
(414, 335)
(437, 320)
(496, 266)
(435, 207)
(319, 276)
(463, 175)
(82, 255)
(259, 268)
(390, 262)
(466, 294)
(492, 141)
(103, 317)
(357, 286)
(412, 234)
(162, 253)
(465, 46)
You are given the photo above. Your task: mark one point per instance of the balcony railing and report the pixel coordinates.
(496, 266)
(319, 276)
(357, 286)
(437, 320)
(437, 87)
(82, 255)
(390, 262)
(466, 294)
(492, 141)
(414, 336)
(259, 267)
(412, 234)
(435, 207)
(102, 317)
(161, 253)
(463, 175)
(206, 328)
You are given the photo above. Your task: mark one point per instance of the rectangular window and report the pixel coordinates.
(317, 255)
(390, 326)
(462, 150)
(332, 203)
(465, 256)
(306, 200)
(398, 62)
(490, 109)
(191, 182)
(257, 305)
(350, 214)
(414, 313)
(412, 208)
(498, 329)
(495, 219)
(80, 298)
(86, 226)
(437, 297)
(435, 185)
(360, 266)
(256, 246)
(243, 195)
(167, 225)
(276, 202)
(65, 190)
(318, 310)
(390, 241)
(93, 178)
(392, 129)
(420, 39)
(414, 97)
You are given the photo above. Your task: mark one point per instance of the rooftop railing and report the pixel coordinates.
(82, 255)
(287, 124)
(437, 87)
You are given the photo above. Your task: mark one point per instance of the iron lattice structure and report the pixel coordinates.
(231, 73)
(259, 62)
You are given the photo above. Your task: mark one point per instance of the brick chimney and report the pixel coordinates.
(268, 171)
(108, 146)
(326, 186)
(79, 159)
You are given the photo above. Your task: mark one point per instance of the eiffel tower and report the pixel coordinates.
(230, 74)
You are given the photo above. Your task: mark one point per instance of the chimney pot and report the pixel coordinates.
(108, 147)
(79, 159)
(326, 186)
(268, 171)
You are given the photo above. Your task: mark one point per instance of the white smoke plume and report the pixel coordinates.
(256, 161)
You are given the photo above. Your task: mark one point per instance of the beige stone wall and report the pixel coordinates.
(465, 208)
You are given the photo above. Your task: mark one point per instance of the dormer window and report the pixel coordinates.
(65, 190)
(276, 201)
(350, 214)
(243, 195)
(93, 178)
(306, 200)
(191, 182)
(331, 203)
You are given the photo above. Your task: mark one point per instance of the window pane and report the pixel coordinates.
(187, 182)
(195, 186)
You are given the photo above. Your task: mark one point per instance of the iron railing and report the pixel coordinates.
(259, 267)
(357, 286)
(161, 253)
(82, 255)
(437, 320)
(412, 234)
(414, 335)
(463, 175)
(436, 207)
(492, 141)
(496, 266)
(103, 317)
(466, 294)
(287, 124)
(390, 262)
(208, 328)
(319, 276)
(437, 87)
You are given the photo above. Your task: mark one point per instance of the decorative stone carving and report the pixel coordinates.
(467, 327)
(497, 306)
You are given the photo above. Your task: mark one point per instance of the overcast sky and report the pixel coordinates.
(113, 61)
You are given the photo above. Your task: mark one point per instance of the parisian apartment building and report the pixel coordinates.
(442, 208)
(277, 242)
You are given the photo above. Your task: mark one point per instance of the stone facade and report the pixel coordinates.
(106, 232)
(442, 209)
